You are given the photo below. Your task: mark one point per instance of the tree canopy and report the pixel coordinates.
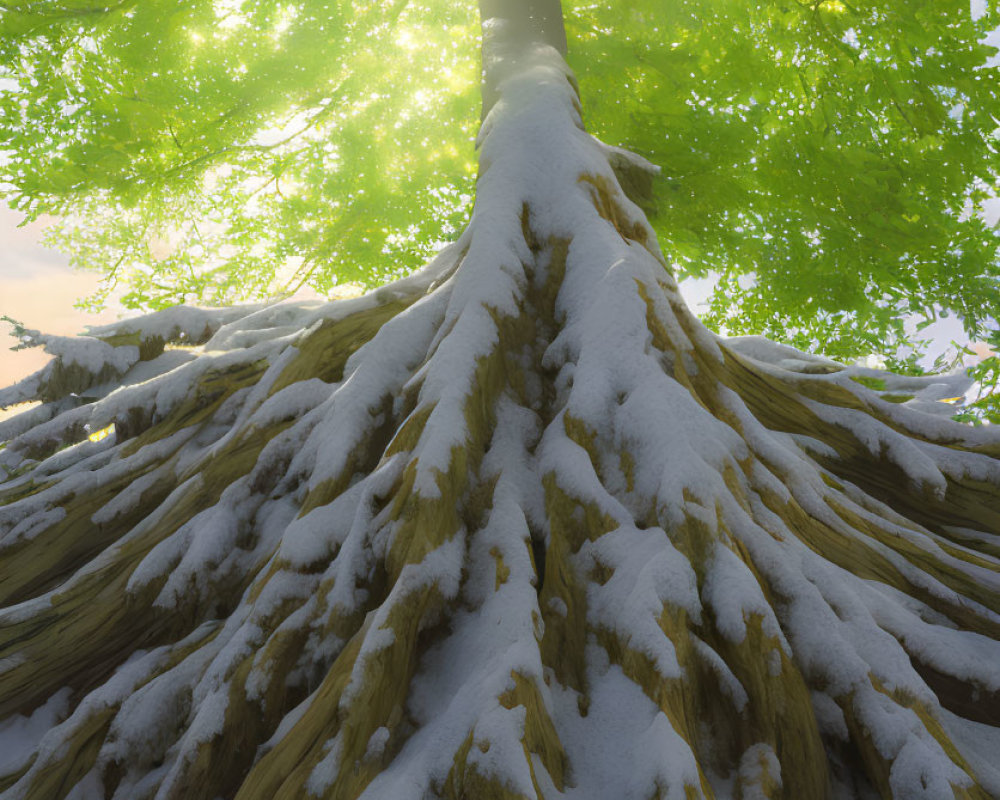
(822, 158)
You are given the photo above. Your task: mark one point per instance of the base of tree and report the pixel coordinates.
(516, 527)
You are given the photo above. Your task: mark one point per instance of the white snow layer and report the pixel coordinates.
(614, 391)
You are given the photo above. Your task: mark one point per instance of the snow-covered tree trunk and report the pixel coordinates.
(516, 527)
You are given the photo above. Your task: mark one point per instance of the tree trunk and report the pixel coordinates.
(511, 26)
(518, 526)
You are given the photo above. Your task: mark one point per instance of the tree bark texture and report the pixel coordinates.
(517, 526)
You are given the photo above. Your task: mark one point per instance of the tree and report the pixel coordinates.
(517, 525)
(821, 158)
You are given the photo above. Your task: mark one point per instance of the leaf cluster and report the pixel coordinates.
(215, 151)
(985, 407)
(823, 159)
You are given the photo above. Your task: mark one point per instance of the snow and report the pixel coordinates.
(109, 695)
(838, 642)
(180, 324)
(728, 681)
(318, 535)
(759, 765)
(87, 787)
(829, 716)
(460, 678)
(919, 772)
(141, 731)
(31, 526)
(94, 357)
(970, 657)
(325, 772)
(624, 747)
(25, 420)
(83, 476)
(577, 477)
(447, 382)
(376, 373)
(675, 544)
(883, 441)
(498, 750)
(377, 742)
(649, 576)
(147, 370)
(128, 499)
(20, 735)
(781, 355)
(441, 569)
(198, 545)
(49, 433)
(732, 592)
(979, 744)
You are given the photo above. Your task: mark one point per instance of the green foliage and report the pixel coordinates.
(820, 157)
(225, 150)
(985, 408)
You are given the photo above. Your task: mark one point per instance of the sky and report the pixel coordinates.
(37, 288)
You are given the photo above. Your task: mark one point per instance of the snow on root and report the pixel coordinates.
(515, 527)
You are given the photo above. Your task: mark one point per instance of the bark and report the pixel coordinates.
(512, 26)
(536, 21)
(517, 526)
